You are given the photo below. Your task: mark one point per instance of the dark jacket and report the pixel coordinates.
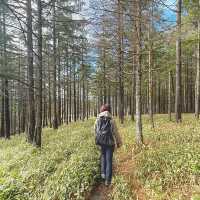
(116, 136)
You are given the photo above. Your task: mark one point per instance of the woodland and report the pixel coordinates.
(60, 60)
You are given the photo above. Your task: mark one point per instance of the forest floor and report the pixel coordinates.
(166, 167)
(67, 166)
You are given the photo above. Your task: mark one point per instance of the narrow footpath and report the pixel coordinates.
(100, 192)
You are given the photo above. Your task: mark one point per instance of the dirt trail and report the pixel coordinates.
(100, 192)
(124, 166)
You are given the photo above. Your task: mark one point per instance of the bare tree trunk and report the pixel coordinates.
(19, 89)
(7, 111)
(169, 96)
(134, 67)
(59, 84)
(31, 100)
(38, 127)
(70, 92)
(120, 61)
(87, 100)
(158, 95)
(186, 82)
(67, 82)
(139, 135)
(5, 103)
(49, 94)
(197, 89)
(104, 76)
(78, 98)
(178, 64)
(55, 117)
(150, 88)
(64, 97)
(3, 110)
(83, 89)
(74, 85)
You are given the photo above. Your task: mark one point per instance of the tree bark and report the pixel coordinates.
(150, 88)
(49, 94)
(31, 98)
(38, 127)
(139, 135)
(3, 110)
(74, 87)
(197, 89)
(120, 61)
(178, 65)
(55, 117)
(169, 96)
(59, 84)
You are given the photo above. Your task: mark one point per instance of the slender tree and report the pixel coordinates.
(197, 89)
(150, 89)
(31, 96)
(120, 60)
(55, 114)
(139, 135)
(38, 128)
(178, 100)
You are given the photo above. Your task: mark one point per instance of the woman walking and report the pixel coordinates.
(107, 137)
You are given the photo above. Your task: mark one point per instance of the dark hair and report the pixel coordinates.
(105, 107)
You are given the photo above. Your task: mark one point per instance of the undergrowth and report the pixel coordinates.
(168, 167)
(65, 167)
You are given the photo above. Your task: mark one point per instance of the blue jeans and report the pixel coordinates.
(106, 162)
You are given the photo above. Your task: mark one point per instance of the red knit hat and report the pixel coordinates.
(105, 107)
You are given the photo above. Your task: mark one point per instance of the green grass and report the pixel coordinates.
(168, 167)
(65, 168)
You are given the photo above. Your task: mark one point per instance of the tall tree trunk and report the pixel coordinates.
(64, 97)
(169, 96)
(49, 95)
(87, 101)
(6, 109)
(3, 110)
(77, 97)
(19, 96)
(70, 92)
(74, 85)
(139, 135)
(31, 100)
(55, 117)
(67, 102)
(178, 64)
(150, 88)
(158, 96)
(133, 86)
(197, 91)
(133, 67)
(120, 61)
(38, 127)
(59, 84)
(173, 91)
(104, 76)
(83, 88)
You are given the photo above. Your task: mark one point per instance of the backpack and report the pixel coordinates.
(104, 134)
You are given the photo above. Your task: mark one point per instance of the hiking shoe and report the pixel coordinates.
(107, 183)
(103, 176)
